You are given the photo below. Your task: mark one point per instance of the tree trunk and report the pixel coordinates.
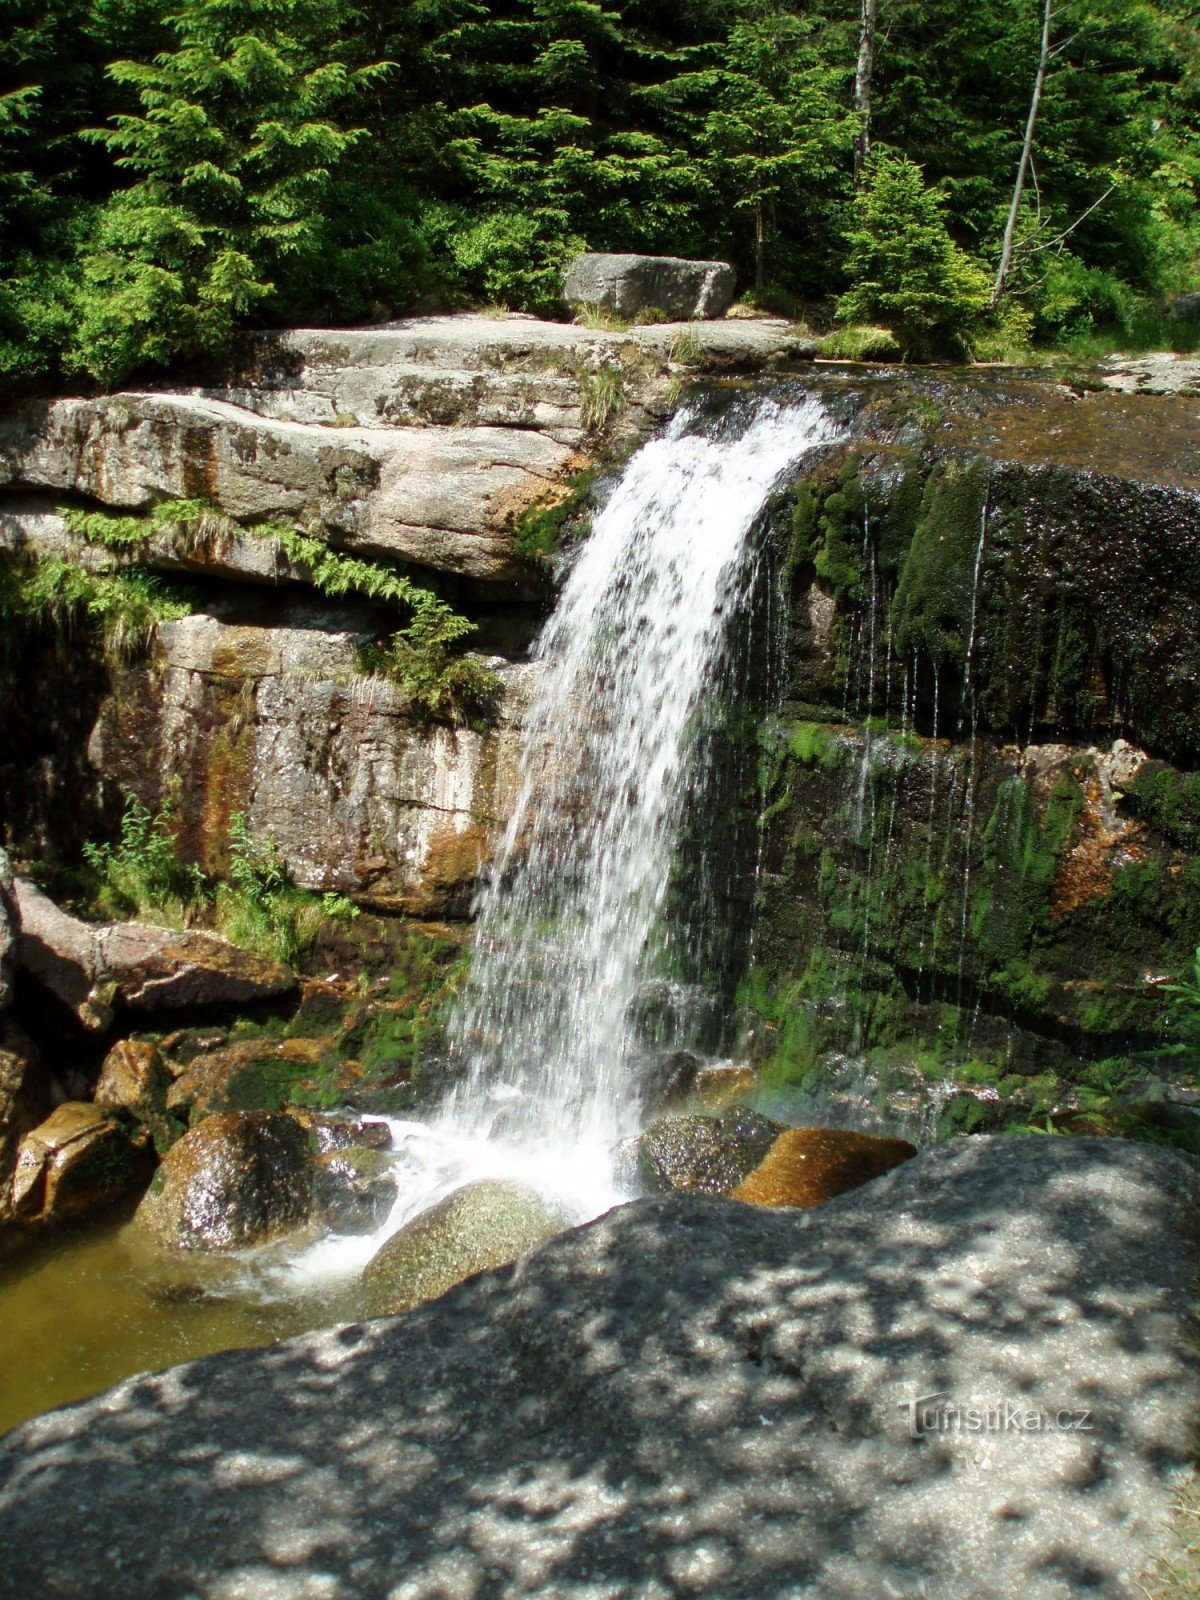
(760, 247)
(862, 85)
(1010, 227)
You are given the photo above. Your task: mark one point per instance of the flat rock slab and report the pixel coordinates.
(689, 1396)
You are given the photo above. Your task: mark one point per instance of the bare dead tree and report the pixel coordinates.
(862, 84)
(1035, 105)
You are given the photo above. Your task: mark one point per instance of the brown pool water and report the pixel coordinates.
(100, 1302)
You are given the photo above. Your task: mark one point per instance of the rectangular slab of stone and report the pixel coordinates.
(629, 284)
(446, 498)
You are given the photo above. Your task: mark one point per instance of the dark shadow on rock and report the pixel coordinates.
(689, 1396)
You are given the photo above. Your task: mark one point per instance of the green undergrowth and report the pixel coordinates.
(379, 1047)
(119, 611)
(440, 682)
(140, 875)
(602, 398)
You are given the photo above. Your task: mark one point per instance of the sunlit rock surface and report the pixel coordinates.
(808, 1166)
(484, 1224)
(686, 1396)
(271, 720)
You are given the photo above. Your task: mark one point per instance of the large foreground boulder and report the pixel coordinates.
(687, 1397)
(85, 969)
(630, 284)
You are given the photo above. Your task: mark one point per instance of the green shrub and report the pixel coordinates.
(141, 874)
(859, 343)
(437, 686)
(904, 268)
(261, 909)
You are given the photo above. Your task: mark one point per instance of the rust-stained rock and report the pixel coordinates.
(700, 1154)
(87, 969)
(24, 1098)
(237, 1179)
(273, 721)
(807, 1166)
(134, 1078)
(77, 1161)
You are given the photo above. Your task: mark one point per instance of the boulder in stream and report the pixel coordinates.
(237, 1179)
(134, 1078)
(79, 1160)
(699, 1154)
(808, 1166)
(355, 1188)
(483, 1224)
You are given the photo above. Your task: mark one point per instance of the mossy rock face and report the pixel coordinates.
(237, 1179)
(703, 1154)
(480, 1226)
(807, 1166)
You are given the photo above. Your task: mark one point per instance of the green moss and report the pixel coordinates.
(542, 527)
(1168, 801)
(813, 744)
(1023, 846)
(932, 608)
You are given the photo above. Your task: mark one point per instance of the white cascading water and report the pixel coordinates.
(567, 929)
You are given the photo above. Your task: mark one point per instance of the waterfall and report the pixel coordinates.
(569, 925)
(571, 921)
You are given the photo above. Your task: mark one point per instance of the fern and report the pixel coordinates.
(125, 609)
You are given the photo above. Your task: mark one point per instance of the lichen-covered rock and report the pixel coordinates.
(237, 1179)
(808, 1166)
(273, 720)
(86, 969)
(703, 1154)
(133, 1078)
(355, 1188)
(77, 1161)
(484, 1224)
(630, 284)
(8, 931)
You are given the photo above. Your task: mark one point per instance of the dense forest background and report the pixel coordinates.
(172, 169)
